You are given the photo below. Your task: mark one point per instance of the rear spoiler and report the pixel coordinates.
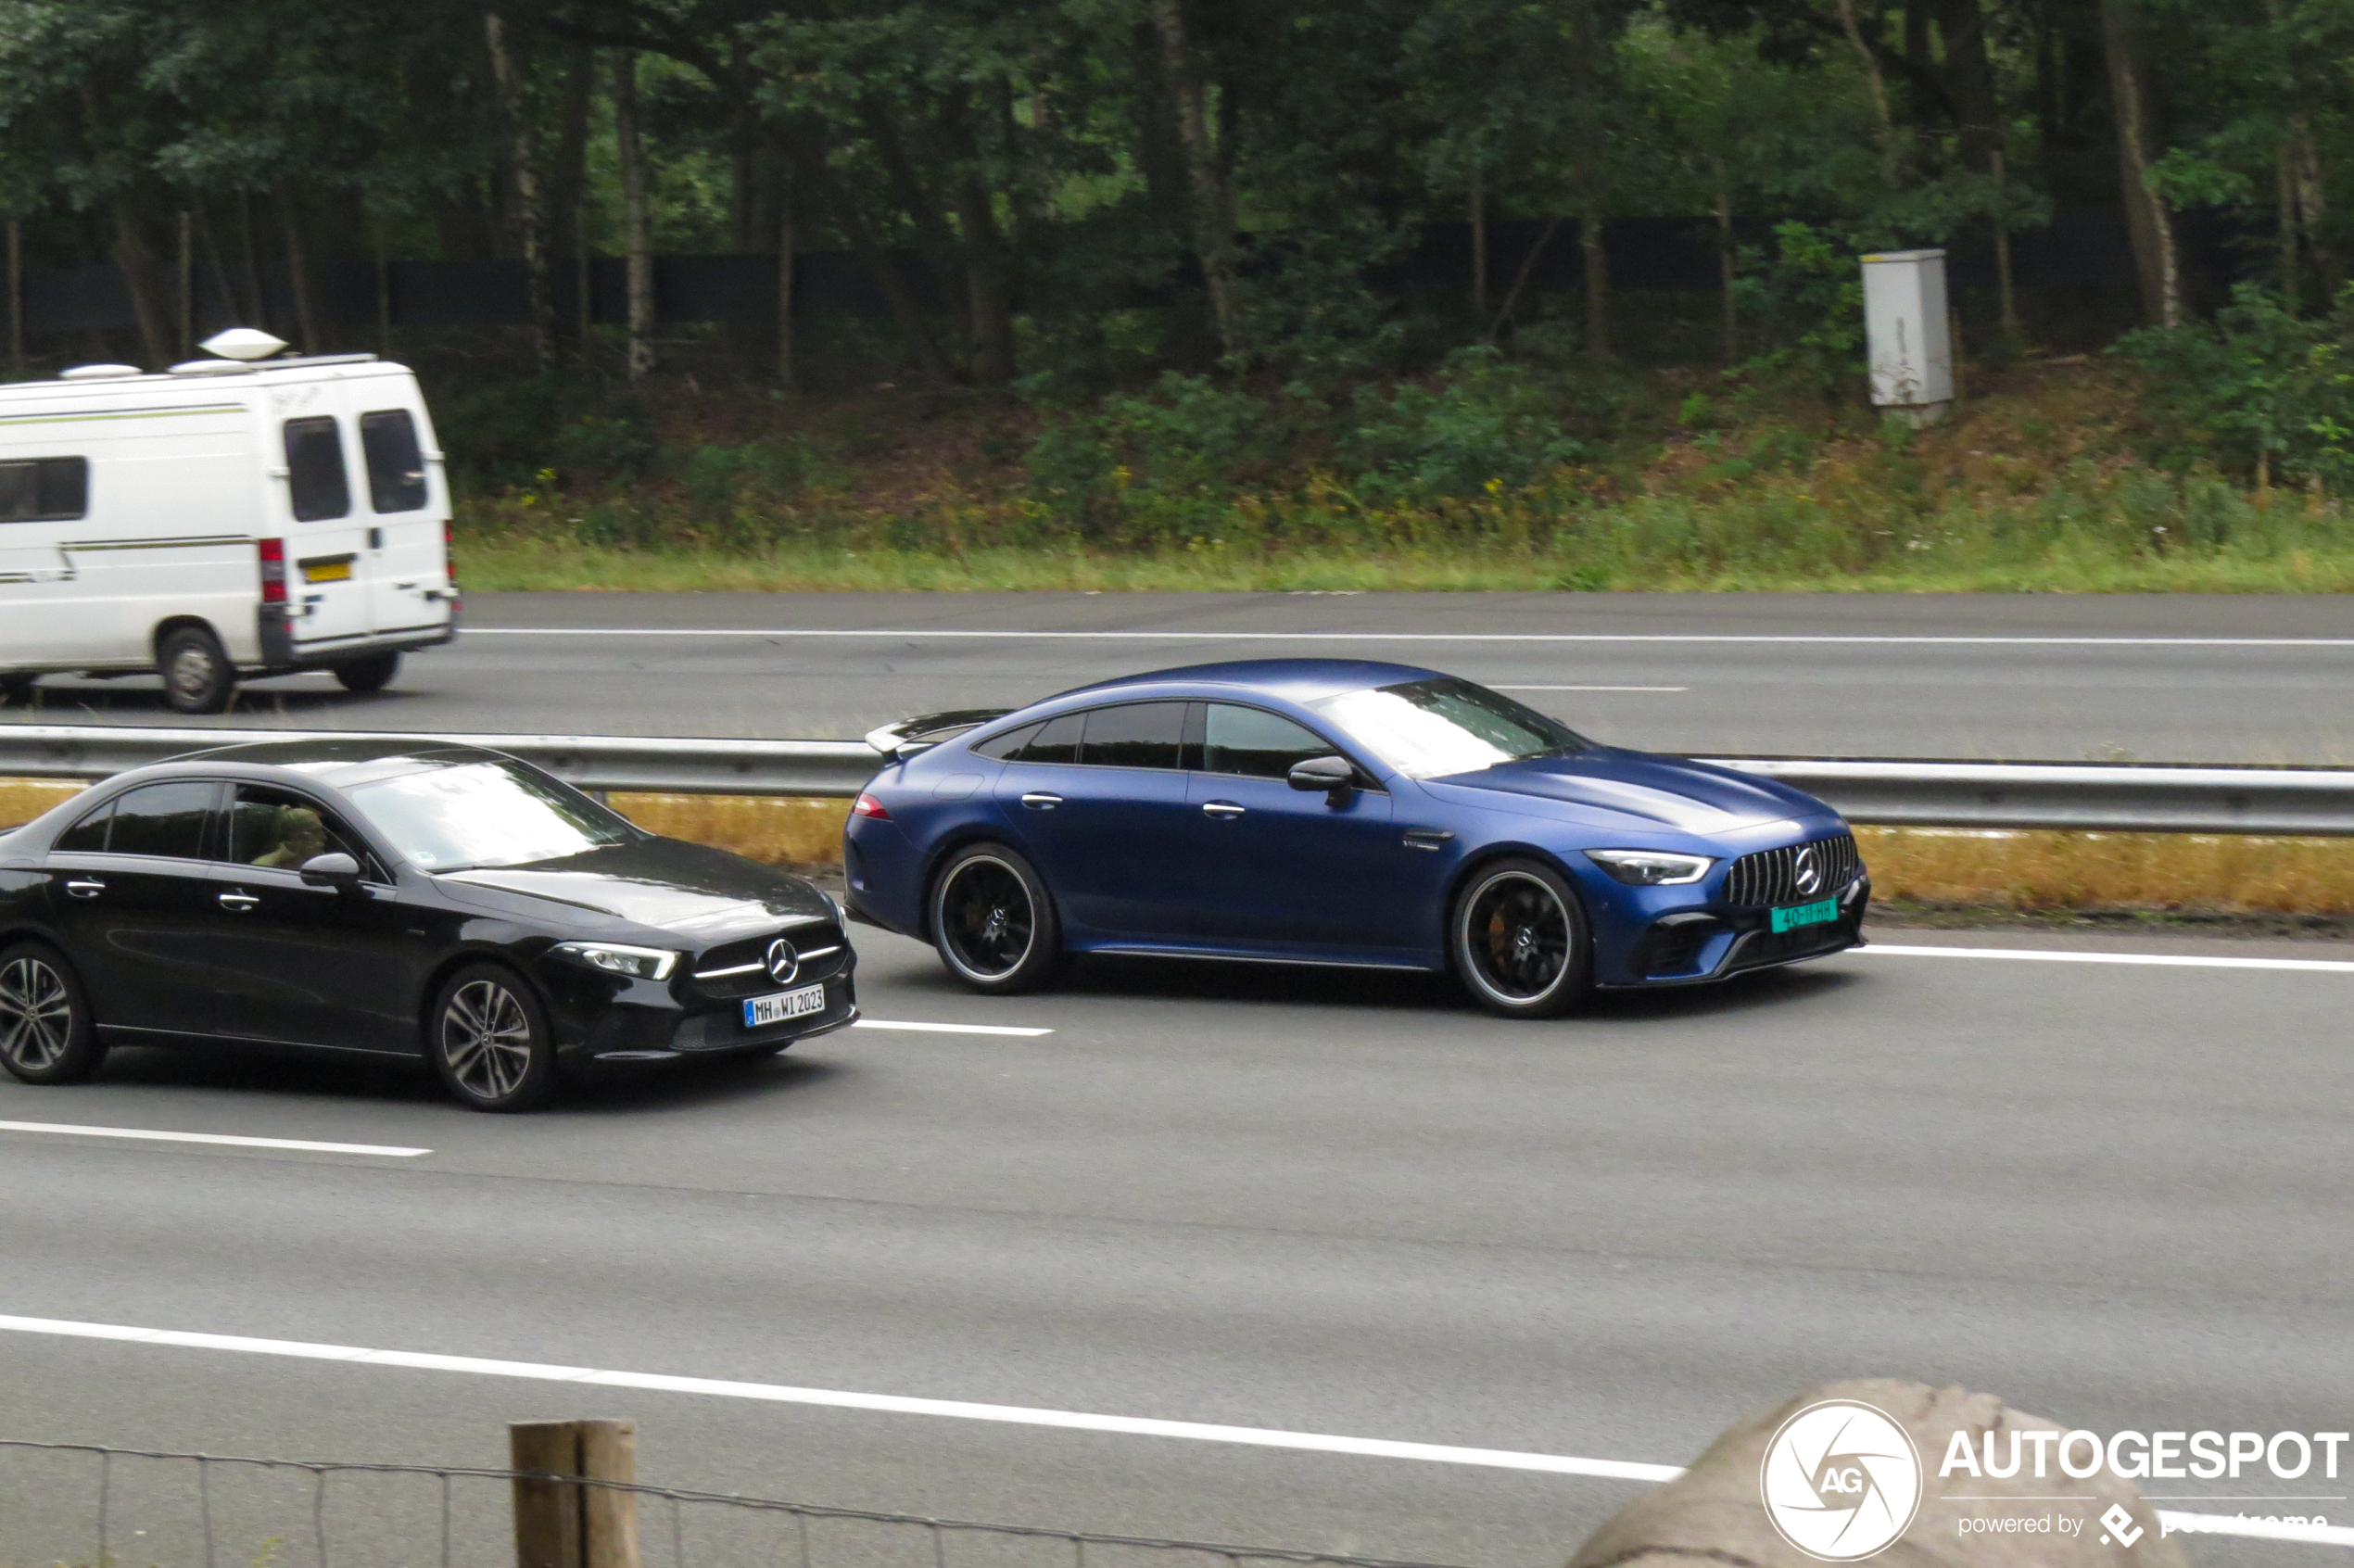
(912, 735)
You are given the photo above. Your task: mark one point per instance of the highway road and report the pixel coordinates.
(2039, 678)
(2111, 1192)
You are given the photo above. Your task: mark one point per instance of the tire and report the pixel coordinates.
(371, 674)
(16, 691)
(487, 1036)
(46, 1032)
(993, 921)
(197, 675)
(1518, 938)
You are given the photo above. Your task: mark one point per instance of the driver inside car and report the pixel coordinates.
(301, 836)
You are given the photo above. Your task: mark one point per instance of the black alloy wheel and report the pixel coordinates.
(197, 675)
(1520, 941)
(371, 674)
(993, 922)
(47, 1033)
(487, 1036)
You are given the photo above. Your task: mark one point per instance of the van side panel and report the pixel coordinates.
(172, 528)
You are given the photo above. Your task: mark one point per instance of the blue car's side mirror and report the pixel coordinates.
(1334, 777)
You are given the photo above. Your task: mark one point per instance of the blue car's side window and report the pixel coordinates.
(1005, 747)
(1135, 735)
(1253, 743)
(1057, 741)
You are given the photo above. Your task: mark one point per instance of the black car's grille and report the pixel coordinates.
(1772, 875)
(735, 969)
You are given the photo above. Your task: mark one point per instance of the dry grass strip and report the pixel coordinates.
(2028, 872)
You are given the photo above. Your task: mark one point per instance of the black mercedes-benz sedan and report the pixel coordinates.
(398, 898)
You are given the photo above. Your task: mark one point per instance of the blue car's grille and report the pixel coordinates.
(1772, 875)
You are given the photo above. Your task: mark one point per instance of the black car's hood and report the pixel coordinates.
(1670, 792)
(694, 891)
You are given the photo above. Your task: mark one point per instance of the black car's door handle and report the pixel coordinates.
(1224, 811)
(239, 903)
(1040, 799)
(85, 888)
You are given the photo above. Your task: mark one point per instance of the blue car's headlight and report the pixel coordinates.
(1651, 869)
(638, 963)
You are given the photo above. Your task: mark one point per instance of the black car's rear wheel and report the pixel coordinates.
(993, 921)
(488, 1038)
(46, 1032)
(1520, 941)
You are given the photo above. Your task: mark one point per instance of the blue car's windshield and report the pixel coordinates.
(1429, 729)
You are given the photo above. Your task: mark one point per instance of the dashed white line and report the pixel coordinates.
(950, 1027)
(1018, 1415)
(1416, 637)
(2163, 960)
(155, 1135)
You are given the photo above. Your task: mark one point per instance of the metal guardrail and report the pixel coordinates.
(2105, 797)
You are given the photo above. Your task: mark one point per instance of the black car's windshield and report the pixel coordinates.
(485, 813)
(1429, 729)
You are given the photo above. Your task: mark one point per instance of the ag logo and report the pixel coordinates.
(1841, 1481)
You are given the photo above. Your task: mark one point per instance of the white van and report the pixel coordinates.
(221, 519)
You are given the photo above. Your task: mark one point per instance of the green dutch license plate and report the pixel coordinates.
(1799, 915)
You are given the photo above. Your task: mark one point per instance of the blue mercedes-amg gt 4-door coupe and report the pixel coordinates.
(1338, 811)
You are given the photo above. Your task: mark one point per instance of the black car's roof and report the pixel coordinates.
(334, 761)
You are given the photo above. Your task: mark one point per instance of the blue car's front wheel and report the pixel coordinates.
(1520, 941)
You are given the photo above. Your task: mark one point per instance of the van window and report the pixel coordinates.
(44, 489)
(315, 479)
(396, 465)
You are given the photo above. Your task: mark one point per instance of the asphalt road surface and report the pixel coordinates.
(2051, 678)
(2113, 1194)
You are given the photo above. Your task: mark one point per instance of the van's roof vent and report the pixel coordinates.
(214, 367)
(99, 372)
(242, 343)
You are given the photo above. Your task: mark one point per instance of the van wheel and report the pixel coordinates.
(371, 674)
(16, 690)
(197, 675)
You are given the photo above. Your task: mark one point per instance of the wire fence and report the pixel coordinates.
(87, 1505)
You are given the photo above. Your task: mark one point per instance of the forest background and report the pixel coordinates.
(1252, 293)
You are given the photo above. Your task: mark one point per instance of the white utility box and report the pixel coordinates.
(1908, 334)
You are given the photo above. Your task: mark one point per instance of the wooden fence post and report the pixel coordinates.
(567, 1523)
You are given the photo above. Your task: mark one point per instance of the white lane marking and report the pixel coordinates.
(950, 1029)
(1593, 688)
(1417, 637)
(1018, 1415)
(2164, 960)
(307, 1145)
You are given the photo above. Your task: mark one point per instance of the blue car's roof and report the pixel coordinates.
(1296, 680)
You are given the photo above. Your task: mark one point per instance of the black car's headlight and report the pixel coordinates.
(615, 958)
(1651, 869)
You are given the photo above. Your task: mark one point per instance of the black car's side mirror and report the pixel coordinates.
(338, 871)
(1334, 777)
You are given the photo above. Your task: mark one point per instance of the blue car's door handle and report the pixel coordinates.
(1038, 800)
(1224, 811)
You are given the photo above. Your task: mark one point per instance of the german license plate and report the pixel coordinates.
(1794, 915)
(327, 571)
(762, 1011)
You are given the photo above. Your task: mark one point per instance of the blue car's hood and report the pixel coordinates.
(1670, 792)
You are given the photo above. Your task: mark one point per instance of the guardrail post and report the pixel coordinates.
(571, 1523)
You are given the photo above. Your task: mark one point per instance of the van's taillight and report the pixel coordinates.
(449, 554)
(867, 805)
(273, 570)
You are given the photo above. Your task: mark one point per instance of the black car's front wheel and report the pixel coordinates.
(993, 921)
(488, 1038)
(46, 1032)
(1520, 943)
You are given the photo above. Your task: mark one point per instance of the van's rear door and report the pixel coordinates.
(327, 564)
(409, 569)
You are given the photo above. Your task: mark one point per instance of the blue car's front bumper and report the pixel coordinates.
(1701, 939)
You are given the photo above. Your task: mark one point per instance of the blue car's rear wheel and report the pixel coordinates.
(1520, 941)
(993, 922)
